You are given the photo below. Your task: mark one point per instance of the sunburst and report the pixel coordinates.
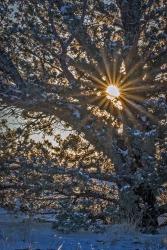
(112, 92)
(118, 91)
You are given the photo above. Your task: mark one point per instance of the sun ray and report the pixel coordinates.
(131, 116)
(135, 88)
(97, 99)
(139, 108)
(132, 97)
(99, 67)
(118, 80)
(115, 69)
(76, 94)
(111, 107)
(129, 83)
(106, 104)
(116, 94)
(102, 102)
(140, 63)
(107, 68)
(97, 80)
(127, 116)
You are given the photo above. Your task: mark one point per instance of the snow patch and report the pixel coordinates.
(16, 233)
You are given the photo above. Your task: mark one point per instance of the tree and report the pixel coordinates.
(57, 60)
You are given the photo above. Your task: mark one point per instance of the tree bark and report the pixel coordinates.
(147, 208)
(8, 67)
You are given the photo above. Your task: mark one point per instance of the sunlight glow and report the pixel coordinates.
(112, 92)
(118, 88)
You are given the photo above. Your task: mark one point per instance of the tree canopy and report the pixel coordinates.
(57, 59)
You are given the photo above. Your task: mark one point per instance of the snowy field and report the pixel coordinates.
(18, 232)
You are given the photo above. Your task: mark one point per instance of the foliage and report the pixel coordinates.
(56, 60)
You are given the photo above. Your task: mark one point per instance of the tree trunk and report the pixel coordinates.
(8, 67)
(147, 208)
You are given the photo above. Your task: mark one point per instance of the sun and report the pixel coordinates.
(112, 92)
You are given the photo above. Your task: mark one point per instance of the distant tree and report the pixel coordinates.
(57, 59)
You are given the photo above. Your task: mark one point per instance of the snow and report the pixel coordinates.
(139, 133)
(151, 132)
(65, 9)
(77, 114)
(123, 152)
(87, 126)
(13, 10)
(21, 232)
(126, 187)
(75, 111)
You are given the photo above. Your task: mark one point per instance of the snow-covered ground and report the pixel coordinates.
(23, 233)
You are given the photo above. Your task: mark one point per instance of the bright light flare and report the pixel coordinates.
(112, 92)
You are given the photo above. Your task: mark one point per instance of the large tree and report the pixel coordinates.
(100, 68)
